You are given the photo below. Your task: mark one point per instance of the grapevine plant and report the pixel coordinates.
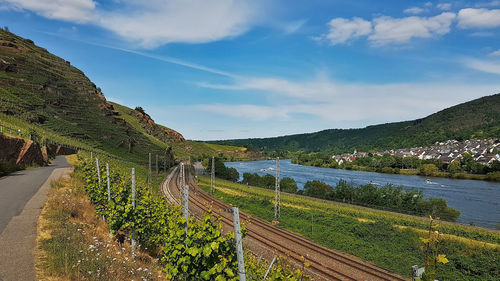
(432, 255)
(204, 252)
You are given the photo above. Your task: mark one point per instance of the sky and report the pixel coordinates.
(225, 69)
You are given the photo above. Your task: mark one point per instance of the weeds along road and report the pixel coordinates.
(22, 196)
(266, 240)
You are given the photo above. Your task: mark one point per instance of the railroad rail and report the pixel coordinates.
(267, 239)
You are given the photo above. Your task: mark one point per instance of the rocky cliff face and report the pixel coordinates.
(21, 153)
(160, 132)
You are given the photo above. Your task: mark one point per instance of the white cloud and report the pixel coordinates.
(387, 30)
(292, 27)
(444, 6)
(495, 53)
(492, 67)
(319, 89)
(479, 18)
(80, 11)
(246, 111)
(348, 102)
(341, 30)
(400, 30)
(414, 10)
(153, 23)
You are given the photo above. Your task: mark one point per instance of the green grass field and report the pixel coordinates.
(386, 239)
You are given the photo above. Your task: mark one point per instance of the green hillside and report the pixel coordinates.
(479, 118)
(45, 96)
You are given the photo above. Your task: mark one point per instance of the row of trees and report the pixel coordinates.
(393, 164)
(221, 171)
(268, 181)
(386, 197)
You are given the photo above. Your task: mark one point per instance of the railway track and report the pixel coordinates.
(324, 263)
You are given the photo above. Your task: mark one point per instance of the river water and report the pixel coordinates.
(478, 201)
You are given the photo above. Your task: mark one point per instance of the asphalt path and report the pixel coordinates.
(16, 189)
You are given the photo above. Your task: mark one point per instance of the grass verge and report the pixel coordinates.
(74, 244)
(386, 239)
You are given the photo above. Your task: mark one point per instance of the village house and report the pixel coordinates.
(484, 151)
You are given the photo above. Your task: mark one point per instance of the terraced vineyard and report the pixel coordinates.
(386, 239)
(44, 95)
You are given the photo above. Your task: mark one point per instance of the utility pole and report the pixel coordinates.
(312, 224)
(156, 165)
(165, 164)
(182, 184)
(212, 176)
(277, 192)
(183, 179)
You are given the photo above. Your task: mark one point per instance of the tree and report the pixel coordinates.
(232, 174)
(251, 179)
(140, 109)
(221, 171)
(268, 181)
(428, 170)
(288, 185)
(467, 162)
(495, 166)
(318, 189)
(438, 207)
(455, 167)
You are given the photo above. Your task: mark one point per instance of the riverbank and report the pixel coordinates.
(493, 176)
(477, 201)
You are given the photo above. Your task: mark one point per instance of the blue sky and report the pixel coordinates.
(225, 69)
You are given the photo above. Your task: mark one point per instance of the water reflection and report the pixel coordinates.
(478, 201)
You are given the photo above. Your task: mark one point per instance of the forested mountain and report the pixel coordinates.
(479, 118)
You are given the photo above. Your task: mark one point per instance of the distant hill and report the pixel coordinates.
(479, 118)
(45, 94)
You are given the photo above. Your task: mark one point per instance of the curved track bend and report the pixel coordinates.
(266, 240)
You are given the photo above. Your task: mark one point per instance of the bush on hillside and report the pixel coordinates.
(140, 109)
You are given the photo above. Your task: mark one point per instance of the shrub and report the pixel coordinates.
(428, 170)
(140, 109)
(288, 185)
(318, 189)
(493, 176)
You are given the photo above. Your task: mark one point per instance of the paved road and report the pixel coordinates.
(17, 189)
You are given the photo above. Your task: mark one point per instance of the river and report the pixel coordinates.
(478, 201)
